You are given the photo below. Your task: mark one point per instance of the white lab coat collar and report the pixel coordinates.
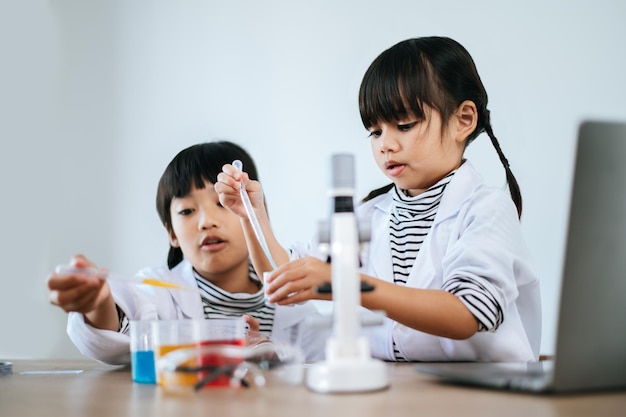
(188, 302)
(462, 185)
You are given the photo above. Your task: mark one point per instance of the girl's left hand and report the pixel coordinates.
(253, 324)
(297, 281)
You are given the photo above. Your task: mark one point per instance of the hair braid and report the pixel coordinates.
(514, 189)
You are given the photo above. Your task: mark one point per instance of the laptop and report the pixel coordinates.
(590, 349)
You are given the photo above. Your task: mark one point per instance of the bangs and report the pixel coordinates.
(193, 167)
(189, 173)
(398, 84)
(198, 164)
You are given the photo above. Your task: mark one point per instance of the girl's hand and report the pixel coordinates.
(297, 281)
(75, 291)
(228, 186)
(253, 324)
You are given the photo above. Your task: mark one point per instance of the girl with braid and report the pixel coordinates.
(447, 258)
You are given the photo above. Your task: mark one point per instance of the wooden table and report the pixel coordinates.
(102, 390)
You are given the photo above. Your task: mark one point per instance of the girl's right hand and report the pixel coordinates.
(297, 281)
(76, 291)
(228, 187)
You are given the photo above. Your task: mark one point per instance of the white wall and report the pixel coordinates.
(97, 97)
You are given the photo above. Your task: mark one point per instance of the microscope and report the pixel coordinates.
(348, 366)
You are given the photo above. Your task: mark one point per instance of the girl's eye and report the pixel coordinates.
(185, 212)
(375, 134)
(406, 126)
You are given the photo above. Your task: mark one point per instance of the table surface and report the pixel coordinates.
(109, 390)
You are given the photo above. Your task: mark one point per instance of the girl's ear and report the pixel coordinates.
(173, 238)
(467, 116)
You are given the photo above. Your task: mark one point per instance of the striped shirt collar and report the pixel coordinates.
(252, 277)
(428, 198)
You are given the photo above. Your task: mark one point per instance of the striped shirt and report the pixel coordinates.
(479, 300)
(218, 303)
(410, 222)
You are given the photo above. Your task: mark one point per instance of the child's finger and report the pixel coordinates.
(253, 324)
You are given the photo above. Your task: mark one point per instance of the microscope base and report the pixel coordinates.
(347, 374)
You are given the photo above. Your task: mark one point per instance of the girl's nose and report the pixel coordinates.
(387, 142)
(207, 219)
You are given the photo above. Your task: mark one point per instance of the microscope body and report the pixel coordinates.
(348, 366)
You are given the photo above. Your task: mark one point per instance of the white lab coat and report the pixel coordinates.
(477, 234)
(141, 302)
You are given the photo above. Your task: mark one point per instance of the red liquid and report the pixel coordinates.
(219, 360)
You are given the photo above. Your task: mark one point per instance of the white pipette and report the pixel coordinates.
(253, 219)
(91, 271)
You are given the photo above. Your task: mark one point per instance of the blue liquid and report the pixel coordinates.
(143, 368)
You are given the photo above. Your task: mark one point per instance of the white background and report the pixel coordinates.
(96, 97)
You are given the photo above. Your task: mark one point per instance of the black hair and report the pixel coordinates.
(190, 168)
(437, 72)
